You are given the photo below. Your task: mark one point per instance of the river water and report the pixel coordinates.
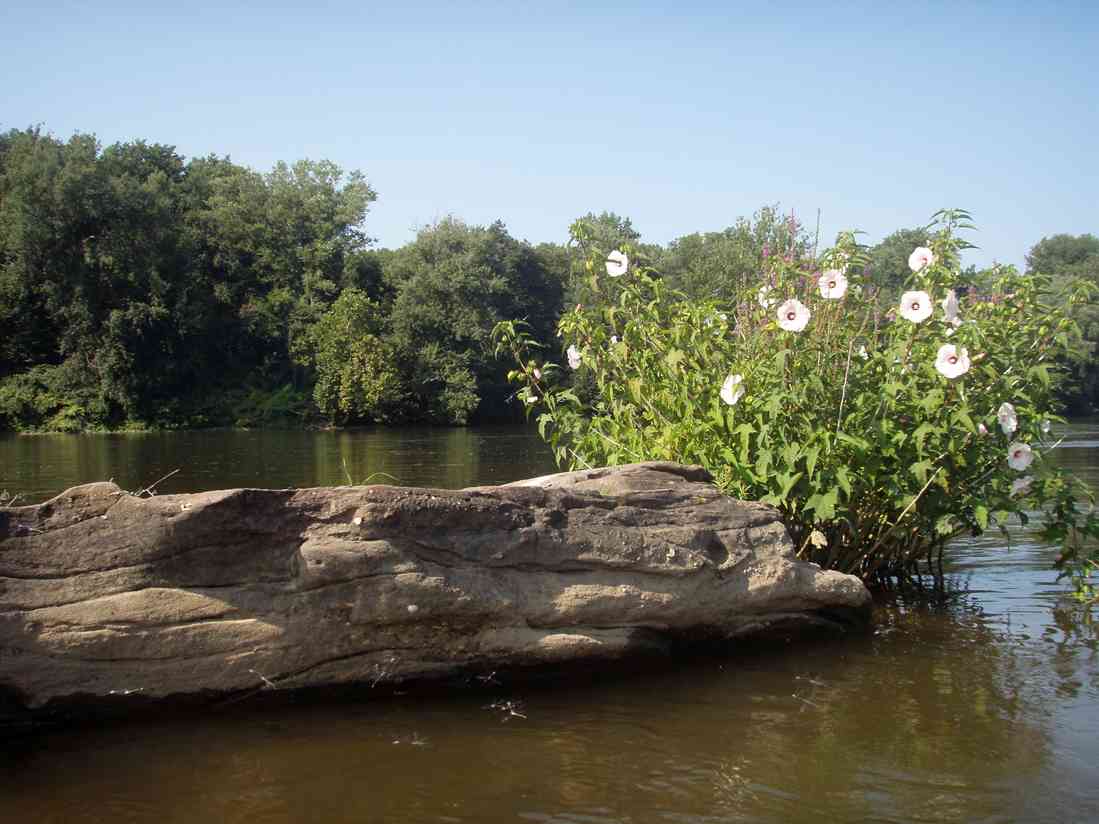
(981, 707)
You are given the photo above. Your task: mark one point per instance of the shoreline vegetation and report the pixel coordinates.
(880, 426)
(140, 291)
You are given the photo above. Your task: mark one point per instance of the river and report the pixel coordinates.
(980, 707)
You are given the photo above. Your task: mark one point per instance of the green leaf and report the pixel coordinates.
(931, 401)
(962, 417)
(1041, 372)
(787, 482)
(980, 514)
(811, 455)
(745, 431)
(844, 480)
(921, 433)
(920, 470)
(860, 444)
(789, 454)
(824, 506)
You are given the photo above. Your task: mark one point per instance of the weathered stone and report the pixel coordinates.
(103, 593)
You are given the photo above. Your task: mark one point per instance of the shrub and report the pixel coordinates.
(56, 398)
(879, 433)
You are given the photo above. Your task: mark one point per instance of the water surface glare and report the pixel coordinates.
(982, 708)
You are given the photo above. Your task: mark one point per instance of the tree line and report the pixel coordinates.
(140, 289)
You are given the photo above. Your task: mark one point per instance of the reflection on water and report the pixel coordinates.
(38, 467)
(983, 706)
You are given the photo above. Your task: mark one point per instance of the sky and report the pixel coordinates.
(681, 116)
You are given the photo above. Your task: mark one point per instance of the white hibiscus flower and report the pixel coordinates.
(950, 308)
(1019, 456)
(921, 258)
(915, 306)
(764, 297)
(833, 284)
(617, 263)
(1009, 421)
(574, 357)
(952, 362)
(793, 315)
(732, 389)
(1021, 484)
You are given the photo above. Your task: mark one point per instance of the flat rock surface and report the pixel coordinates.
(103, 593)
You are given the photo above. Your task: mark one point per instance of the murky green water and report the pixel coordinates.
(40, 466)
(984, 708)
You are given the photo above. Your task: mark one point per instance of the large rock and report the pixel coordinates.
(103, 593)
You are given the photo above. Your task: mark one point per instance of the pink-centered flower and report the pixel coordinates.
(915, 306)
(617, 263)
(793, 315)
(982, 430)
(951, 361)
(833, 284)
(1019, 456)
(920, 259)
(732, 389)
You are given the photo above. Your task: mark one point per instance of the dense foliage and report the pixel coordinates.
(1068, 259)
(140, 289)
(137, 289)
(880, 428)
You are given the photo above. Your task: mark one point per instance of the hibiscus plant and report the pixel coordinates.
(878, 430)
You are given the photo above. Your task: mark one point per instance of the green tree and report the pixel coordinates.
(887, 264)
(452, 285)
(136, 287)
(356, 375)
(283, 242)
(1071, 259)
(717, 265)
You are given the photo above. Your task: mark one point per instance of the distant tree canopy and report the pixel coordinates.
(138, 288)
(1068, 258)
(887, 264)
(451, 286)
(135, 287)
(716, 265)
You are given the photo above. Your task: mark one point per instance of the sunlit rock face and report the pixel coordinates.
(105, 595)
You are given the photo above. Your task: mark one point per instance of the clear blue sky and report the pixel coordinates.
(681, 116)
